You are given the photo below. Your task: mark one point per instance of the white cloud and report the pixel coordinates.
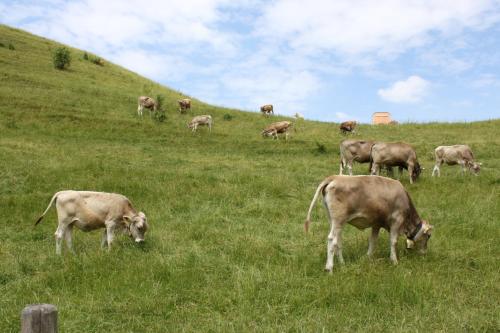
(411, 90)
(383, 27)
(341, 115)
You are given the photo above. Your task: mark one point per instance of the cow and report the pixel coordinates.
(277, 128)
(394, 154)
(457, 154)
(267, 109)
(94, 210)
(354, 150)
(348, 127)
(369, 202)
(146, 102)
(184, 105)
(201, 121)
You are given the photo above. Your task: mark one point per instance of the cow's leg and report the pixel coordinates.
(59, 237)
(410, 172)
(394, 234)
(462, 164)
(436, 170)
(139, 110)
(110, 228)
(286, 136)
(372, 241)
(68, 233)
(349, 167)
(104, 239)
(375, 169)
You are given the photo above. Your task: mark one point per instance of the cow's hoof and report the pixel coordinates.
(329, 269)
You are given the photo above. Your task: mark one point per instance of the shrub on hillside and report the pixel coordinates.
(2, 44)
(228, 117)
(61, 58)
(320, 148)
(97, 61)
(160, 115)
(11, 46)
(85, 56)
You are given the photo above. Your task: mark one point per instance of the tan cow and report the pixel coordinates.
(277, 128)
(146, 102)
(394, 154)
(267, 109)
(348, 126)
(94, 210)
(204, 120)
(354, 150)
(369, 202)
(184, 105)
(457, 154)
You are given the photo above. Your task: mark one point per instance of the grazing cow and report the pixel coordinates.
(397, 154)
(148, 103)
(94, 210)
(369, 202)
(354, 150)
(298, 116)
(201, 121)
(457, 154)
(267, 109)
(348, 126)
(277, 128)
(184, 105)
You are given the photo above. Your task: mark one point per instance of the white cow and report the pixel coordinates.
(94, 210)
(201, 121)
(457, 154)
(146, 102)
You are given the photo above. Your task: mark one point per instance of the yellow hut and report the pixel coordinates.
(381, 118)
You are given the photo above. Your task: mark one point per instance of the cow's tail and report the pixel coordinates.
(54, 198)
(320, 189)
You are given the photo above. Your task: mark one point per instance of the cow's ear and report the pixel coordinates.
(142, 215)
(127, 219)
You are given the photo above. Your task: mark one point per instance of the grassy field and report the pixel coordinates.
(226, 250)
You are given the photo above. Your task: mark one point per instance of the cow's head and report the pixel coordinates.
(420, 237)
(416, 171)
(137, 226)
(475, 167)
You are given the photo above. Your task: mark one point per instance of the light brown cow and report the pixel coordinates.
(204, 120)
(146, 102)
(277, 128)
(184, 105)
(354, 150)
(94, 210)
(457, 154)
(394, 154)
(267, 109)
(369, 202)
(348, 126)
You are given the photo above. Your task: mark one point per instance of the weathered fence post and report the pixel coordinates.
(39, 318)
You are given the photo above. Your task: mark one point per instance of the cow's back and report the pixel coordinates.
(399, 152)
(372, 197)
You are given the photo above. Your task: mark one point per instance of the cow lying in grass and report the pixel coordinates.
(94, 210)
(369, 202)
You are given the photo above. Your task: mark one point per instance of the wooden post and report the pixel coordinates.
(39, 318)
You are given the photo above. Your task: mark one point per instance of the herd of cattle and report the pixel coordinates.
(363, 201)
(281, 127)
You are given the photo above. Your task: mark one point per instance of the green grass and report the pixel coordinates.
(226, 250)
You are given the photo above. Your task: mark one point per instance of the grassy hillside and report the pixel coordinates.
(226, 250)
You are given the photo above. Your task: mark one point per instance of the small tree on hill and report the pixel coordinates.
(61, 58)
(160, 112)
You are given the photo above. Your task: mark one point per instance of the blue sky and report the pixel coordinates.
(328, 60)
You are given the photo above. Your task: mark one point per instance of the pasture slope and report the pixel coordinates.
(226, 251)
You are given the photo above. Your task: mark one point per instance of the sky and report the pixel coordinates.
(422, 61)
